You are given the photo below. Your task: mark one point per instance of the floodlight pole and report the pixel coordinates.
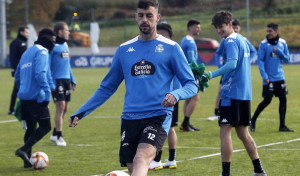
(2, 33)
(248, 18)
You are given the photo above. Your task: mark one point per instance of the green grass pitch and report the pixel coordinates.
(93, 146)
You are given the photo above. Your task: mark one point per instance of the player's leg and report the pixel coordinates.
(226, 149)
(188, 111)
(172, 142)
(216, 112)
(250, 146)
(267, 94)
(144, 155)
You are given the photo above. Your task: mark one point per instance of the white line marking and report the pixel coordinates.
(238, 150)
(8, 121)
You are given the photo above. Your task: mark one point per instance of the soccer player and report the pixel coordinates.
(16, 48)
(273, 51)
(33, 79)
(63, 79)
(189, 48)
(165, 30)
(148, 64)
(236, 93)
(218, 58)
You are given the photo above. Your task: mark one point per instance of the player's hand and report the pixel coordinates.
(267, 81)
(73, 87)
(206, 77)
(169, 101)
(73, 121)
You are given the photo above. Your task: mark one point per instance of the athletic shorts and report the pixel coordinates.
(62, 91)
(277, 88)
(175, 116)
(31, 110)
(148, 130)
(236, 114)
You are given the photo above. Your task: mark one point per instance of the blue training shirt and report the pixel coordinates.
(33, 74)
(270, 63)
(148, 67)
(219, 52)
(60, 62)
(236, 82)
(189, 48)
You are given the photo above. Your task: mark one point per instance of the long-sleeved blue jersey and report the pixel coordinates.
(148, 68)
(33, 74)
(236, 80)
(219, 52)
(189, 48)
(60, 63)
(270, 62)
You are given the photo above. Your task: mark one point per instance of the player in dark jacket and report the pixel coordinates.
(16, 48)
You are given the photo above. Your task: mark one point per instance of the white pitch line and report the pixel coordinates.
(218, 154)
(8, 121)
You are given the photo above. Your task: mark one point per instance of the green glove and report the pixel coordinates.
(197, 70)
(205, 77)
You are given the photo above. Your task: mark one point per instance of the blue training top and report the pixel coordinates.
(148, 67)
(33, 74)
(189, 48)
(236, 80)
(60, 62)
(219, 52)
(270, 63)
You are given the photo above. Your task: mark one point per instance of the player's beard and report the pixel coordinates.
(145, 29)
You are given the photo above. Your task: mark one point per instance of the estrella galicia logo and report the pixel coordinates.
(142, 68)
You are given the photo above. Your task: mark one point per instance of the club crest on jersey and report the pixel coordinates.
(159, 48)
(142, 68)
(65, 54)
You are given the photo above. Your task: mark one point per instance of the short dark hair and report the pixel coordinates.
(221, 17)
(145, 4)
(192, 22)
(22, 29)
(46, 32)
(59, 26)
(235, 22)
(166, 27)
(274, 26)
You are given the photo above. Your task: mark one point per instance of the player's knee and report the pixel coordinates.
(140, 159)
(267, 100)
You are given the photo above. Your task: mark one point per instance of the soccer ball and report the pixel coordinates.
(117, 173)
(39, 160)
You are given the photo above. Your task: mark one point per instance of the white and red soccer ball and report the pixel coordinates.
(39, 160)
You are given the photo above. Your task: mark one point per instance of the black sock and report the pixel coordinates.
(54, 132)
(158, 156)
(186, 120)
(226, 168)
(257, 166)
(172, 154)
(58, 134)
(216, 112)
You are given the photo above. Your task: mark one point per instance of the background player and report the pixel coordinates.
(189, 48)
(236, 93)
(273, 51)
(63, 78)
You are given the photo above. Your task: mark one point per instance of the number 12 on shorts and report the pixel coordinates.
(151, 136)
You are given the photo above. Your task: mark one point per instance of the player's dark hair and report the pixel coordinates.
(22, 29)
(235, 22)
(166, 27)
(274, 26)
(221, 17)
(192, 22)
(145, 4)
(59, 26)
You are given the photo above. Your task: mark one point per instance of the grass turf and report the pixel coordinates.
(93, 146)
